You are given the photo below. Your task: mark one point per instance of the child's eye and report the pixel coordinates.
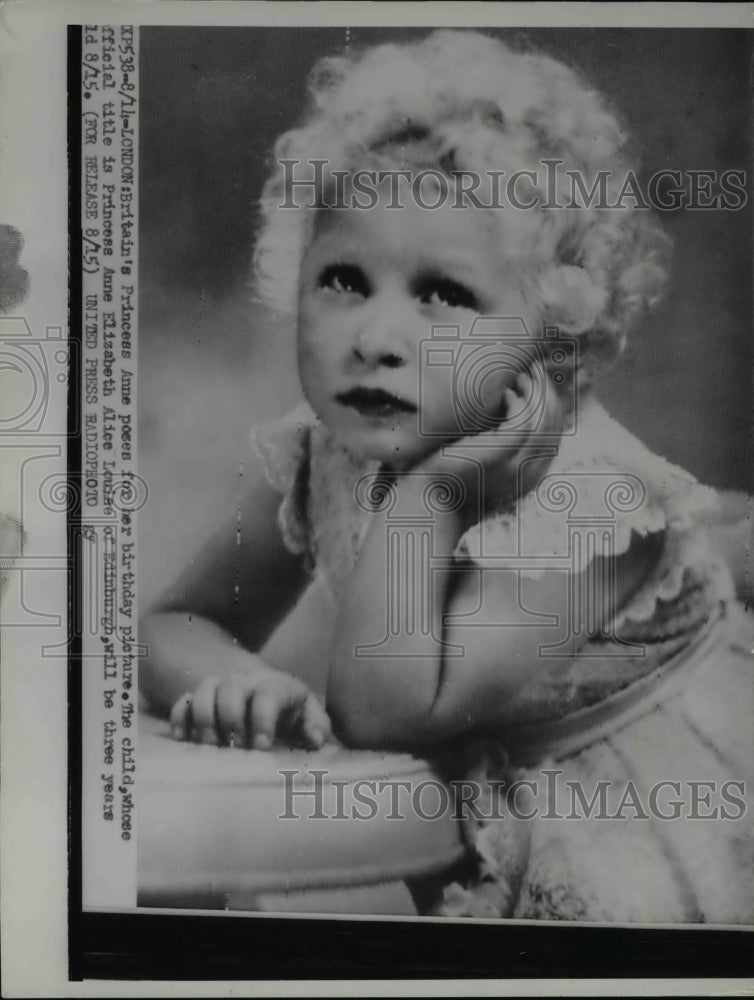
(344, 279)
(444, 292)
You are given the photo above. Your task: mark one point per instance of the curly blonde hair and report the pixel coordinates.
(465, 101)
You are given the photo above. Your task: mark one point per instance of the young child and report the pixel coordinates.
(512, 582)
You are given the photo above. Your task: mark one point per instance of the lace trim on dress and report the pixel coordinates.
(283, 447)
(609, 492)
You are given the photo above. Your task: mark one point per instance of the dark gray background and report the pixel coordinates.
(212, 362)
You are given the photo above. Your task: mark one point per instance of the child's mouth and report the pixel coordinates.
(375, 402)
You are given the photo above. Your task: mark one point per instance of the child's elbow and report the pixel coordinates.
(369, 711)
(364, 728)
(356, 731)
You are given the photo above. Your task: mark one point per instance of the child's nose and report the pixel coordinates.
(382, 339)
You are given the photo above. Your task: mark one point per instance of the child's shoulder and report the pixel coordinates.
(604, 492)
(602, 480)
(616, 478)
(595, 440)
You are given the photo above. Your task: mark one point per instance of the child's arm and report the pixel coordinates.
(412, 690)
(225, 604)
(420, 695)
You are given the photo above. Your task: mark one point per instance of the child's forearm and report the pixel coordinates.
(183, 649)
(421, 694)
(386, 663)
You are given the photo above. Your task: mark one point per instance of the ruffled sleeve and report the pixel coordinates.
(284, 448)
(319, 514)
(603, 487)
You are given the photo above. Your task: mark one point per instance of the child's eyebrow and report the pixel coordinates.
(327, 242)
(444, 262)
(453, 265)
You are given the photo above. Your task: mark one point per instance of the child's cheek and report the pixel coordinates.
(309, 367)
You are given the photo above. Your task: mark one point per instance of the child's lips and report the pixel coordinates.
(375, 402)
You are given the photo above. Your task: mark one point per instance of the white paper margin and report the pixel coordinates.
(33, 197)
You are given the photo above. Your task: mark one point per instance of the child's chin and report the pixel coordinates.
(391, 449)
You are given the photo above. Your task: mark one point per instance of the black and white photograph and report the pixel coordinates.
(444, 390)
(408, 490)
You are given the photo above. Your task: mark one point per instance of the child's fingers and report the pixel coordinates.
(203, 711)
(315, 726)
(547, 419)
(181, 718)
(513, 403)
(536, 394)
(263, 718)
(230, 703)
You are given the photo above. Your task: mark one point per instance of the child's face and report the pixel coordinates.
(373, 284)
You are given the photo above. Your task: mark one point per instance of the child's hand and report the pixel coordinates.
(497, 467)
(250, 710)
